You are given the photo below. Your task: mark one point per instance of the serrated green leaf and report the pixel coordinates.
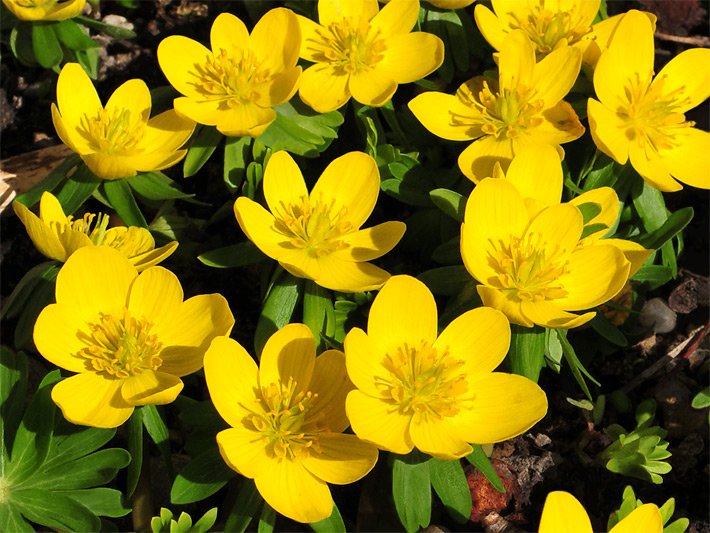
(156, 186)
(200, 478)
(233, 256)
(101, 501)
(333, 524)
(480, 460)
(204, 143)
(450, 202)
(277, 309)
(45, 45)
(120, 196)
(55, 510)
(527, 351)
(451, 486)
(411, 490)
(71, 442)
(91, 470)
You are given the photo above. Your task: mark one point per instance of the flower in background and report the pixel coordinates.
(119, 140)
(361, 51)
(528, 251)
(641, 118)
(129, 337)
(523, 107)
(563, 512)
(435, 393)
(317, 235)
(287, 418)
(58, 236)
(235, 85)
(445, 4)
(45, 9)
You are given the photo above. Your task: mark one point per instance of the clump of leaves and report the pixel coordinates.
(638, 453)
(51, 473)
(165, 523)
(629, 502)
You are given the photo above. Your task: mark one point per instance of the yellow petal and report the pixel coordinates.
(55, 336)
(331, 384)
(556, 73)
(330, 11)
(109, 167)
(633, 252)
(228, 33)
(505, 406)
(438, 437)
(288, 355)
(134, 96)
(312, 42)
(284, 187)
(396, 18)
(648, 163)
(608, 131)
(490, 26)
(378, 422)
(371, 243)
(645, 518)
(607, 199)
(260, 227)
(506, 302)
(89, 399)
(479, 158)
(231, 376)
(72, 240)
(282, 88)
(324, 88)
(156, 295)
(437, 112)
(688, 160)
(244, 451)
(50, 210)
(560, 125)
(346, 276)
(563, 512)
(411, 57)
(294, 492)
(167, 131)
(181, 59)
(479, 337)
(44, 239)
(558, 228)
(245, 119)
(76, 96)
(351, 183)
(372, 87)
(148, 162)
(153, 257)
(276, 40)
(68, 135)
(364, 364)
(340, 459)
(549, 314)
(516, 61)
(537, 173)
(404, 312)
(149, 387)
(676, 80)
(206, 112)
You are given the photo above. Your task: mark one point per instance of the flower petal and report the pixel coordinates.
(516, 61)
(675, 78)
(260, 227)
(411, 56)
(155, 295)
(167, 131)
(556, 73)
(244, 451)
(341, 459)
(55, 336)
(479, 158)
(557, 229)
(438, 113)
(134, 96)
(438, 437)
(633, 252)
(89, 399)
(608, 131)
(331, 384)
(149, 387)
(44, 239)
(688, 160)
(324, 87)
(228, 33)
(289, 354)
(378, 422)
(563, 512)
(69, 135)
(549, 314)
(330, 11)
(537, 173)
(245, 119)
(207, 112)
(110, 167)
(284, 187)
(282, 87)
(645, 518)
(648, 163)
(506, 302)
(153, 257)
(396, 18)
(364, 364)
(371, 243)
(373, 87)
(608, 201)
(276, 39)
(76, 96)
(181, 60)
(490, 26)
(334, 273)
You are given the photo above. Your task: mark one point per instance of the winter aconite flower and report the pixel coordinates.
(45, 9)
(435, 393)
(58, 236)
(523, 107)
(129, 337)
(287, 418)
(641, 118)
(563, 512)
(361, 51)
(318, 235)
(235, 85)
(118, 140)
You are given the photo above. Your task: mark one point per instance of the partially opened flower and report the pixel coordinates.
(641, 118)
(45, 9)
(58, 236)
(129, 337)
(118, 140)
(235, 85)
(287, 418)
(438, 393)
(361, 51)
(318, 235)
(523, 107)
(563, 512)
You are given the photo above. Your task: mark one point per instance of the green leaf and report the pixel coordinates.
(267, 519)
(451, 203)
(589, 229)
(200, 478)
(205, 142)
(13, 387)
(135, 448)
(480, 460)
(21, 43)
(91, 470)
(602, 173)
(278, 307)
(245, 507)
(158, 431)
(449, 252)
(446, 280)
(608, 330)
(655, 275)
(333, 524)
(51, 182)
(120, 196)
(317, 308)
(112, 31)
(575, 365)
(527, 351)
(14, 304)
(411, 490)
(42, 295)
(45, 45)
(677, 526)
(77, 189)
(408, 190)
(72, 36)
(89, 61)
(451, 486)
(589, 210)
(101, 501)
(55, 510)
(702, 399)
(156, 186)
(233, 256)
(672, 226)
(206, 522)
(236, 151)
(553, 350)
(11, 519)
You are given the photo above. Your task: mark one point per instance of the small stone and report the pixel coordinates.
(658, 316)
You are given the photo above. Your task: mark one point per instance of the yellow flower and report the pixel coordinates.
(641, 118)
(435, 393)
(523, 107)
(235, 85)
(563, 512)
(58, 236)
(287, 418)
(45, 9)
(119, 140)
(318, 236)
(364, 52)
(527, 251)
(128, 337)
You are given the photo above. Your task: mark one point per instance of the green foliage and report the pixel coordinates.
(629, 502)
(165, 523)
(527, 351)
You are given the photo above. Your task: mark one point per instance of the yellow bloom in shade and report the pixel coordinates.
(527, 251)
(318, 235)
(435, 393)
(364, 52)
(58, 236)
(287, 420)
(235, 85)
(118, 140)
(523, 107)
(45, 9)
(563, 513)
(129, 337)
(641, 118)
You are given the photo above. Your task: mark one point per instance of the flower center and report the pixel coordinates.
(120, 346)
(85, 224)
(651, 115)
(423, 381)
(113, 131)
(315, 226)
(548, 29)
(349, 44)
(531, 268)
(285, 422)
(236, 79)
